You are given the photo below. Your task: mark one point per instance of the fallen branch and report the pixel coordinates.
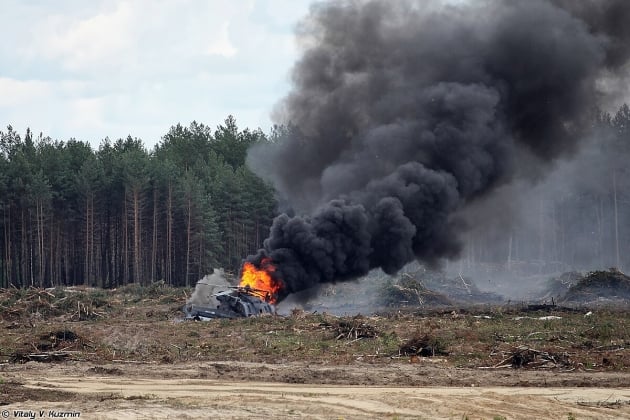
(53, 356)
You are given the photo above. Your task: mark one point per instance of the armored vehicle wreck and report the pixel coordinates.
(236, 302)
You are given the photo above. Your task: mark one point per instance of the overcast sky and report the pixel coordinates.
(109, 68)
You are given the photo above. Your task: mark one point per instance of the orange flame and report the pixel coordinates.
(260, 280)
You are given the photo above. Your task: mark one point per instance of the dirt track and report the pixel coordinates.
(124, 391)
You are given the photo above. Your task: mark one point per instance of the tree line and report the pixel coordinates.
(71, 215)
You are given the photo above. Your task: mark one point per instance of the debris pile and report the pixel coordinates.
(524, 356)
(52, 347)
(354, 330)
(432, 288)
(76, 304)
(596, 286)
(406, 290)
(351, 329)
(424, 346)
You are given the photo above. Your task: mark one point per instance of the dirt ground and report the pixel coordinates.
(128, 354)
(299, 390)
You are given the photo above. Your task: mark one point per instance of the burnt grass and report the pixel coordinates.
(138, 325)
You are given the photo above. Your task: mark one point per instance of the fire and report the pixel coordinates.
(260, 280)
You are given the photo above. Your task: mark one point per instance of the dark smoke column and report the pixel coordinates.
(403, 113)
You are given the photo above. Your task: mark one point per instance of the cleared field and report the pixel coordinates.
(126, 353)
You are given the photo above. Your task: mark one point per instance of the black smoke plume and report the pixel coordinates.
(402, 113)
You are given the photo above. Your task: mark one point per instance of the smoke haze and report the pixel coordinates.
(207, 287)
(402, 115)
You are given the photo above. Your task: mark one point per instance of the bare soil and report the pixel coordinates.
(257, 390)
(117, 355)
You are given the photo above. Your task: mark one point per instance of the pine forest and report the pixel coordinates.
(71, 215)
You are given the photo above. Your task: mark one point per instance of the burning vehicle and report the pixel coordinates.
(239, 302)
(256, 294)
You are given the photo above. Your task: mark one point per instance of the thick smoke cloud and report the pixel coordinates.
(402, 114)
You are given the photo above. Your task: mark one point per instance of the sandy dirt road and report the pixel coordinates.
(106, 397)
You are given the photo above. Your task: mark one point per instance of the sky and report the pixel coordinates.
(111, 68)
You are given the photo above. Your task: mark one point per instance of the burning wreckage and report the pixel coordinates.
(239, 302)
(255, 295)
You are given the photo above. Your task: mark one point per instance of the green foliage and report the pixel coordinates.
(232, 145)
(70, 215)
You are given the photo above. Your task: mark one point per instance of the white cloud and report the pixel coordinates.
(21, 92)
(83, 43)
(222, 45)
(86, 113)
(116, 67)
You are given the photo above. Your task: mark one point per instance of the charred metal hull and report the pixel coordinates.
(238, 303)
